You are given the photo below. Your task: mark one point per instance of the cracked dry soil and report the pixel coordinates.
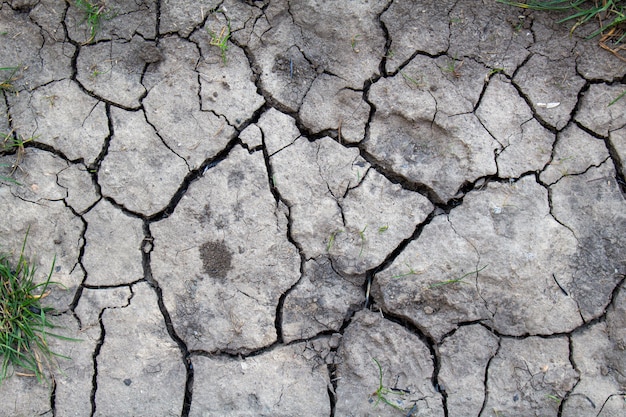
(364, 181)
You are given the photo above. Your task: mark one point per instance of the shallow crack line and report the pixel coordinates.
(157, 20)
(53, 397)
(81, 253)
(477, 268)
(530, 105)
(399, 179)
(621, 394)
(370, 275)
(360, 179)
(555, 142)
(432, 346)
(96, 353)
(278, 198)
(156, 132)
(620, 169)
(146, 251)
(570, 345)
(102, 99)
(94, 168)
(486, 378)
(560, 286)
(574, 174)
(43, 147)
(332, 387)
(191, 177)
(382, 65)
(238, 353)
(551, 210)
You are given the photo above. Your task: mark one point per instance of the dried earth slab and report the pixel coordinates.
(119, 260)
(416, 27)
(599, 358)
(377, 215)
(312, 177)
(321, 301)
(377, 355)
(500, 258)
(113, 70)
(465, 357)
(120, 20)
(61, 115)
(295, 43)
(139, 172)
(593, 208)
(146, 376)
(285, 381)
(529, 377)
(177, 105)
(424, 126)
(494, 34)
(525, 145)
(331, 105)
(222, 282)
(36, 56)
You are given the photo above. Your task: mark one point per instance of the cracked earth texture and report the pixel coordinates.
(362, 181)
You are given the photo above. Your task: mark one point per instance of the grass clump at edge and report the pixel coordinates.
(611, 16)
(24, 322)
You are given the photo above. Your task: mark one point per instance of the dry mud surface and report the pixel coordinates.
(420, 200)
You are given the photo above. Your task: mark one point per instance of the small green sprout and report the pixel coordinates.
(8, 179)
(6, 83)
(453, 66)
(492, 72)
(362, 235)
(354, 43)
(456, 280)
(617, 98)
(410, 80)
(10, 142)
(411, 272)
(95, 71)
(221, 40)
(331, 239)
(554, 398)
(383, 391)
(383, 229)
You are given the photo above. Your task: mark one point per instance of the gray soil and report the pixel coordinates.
(435, 188)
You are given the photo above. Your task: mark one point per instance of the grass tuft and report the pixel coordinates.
(95, 11)
(24, 323)
(382, 391)
(12, 143)
(221, 40)
(10, 75)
